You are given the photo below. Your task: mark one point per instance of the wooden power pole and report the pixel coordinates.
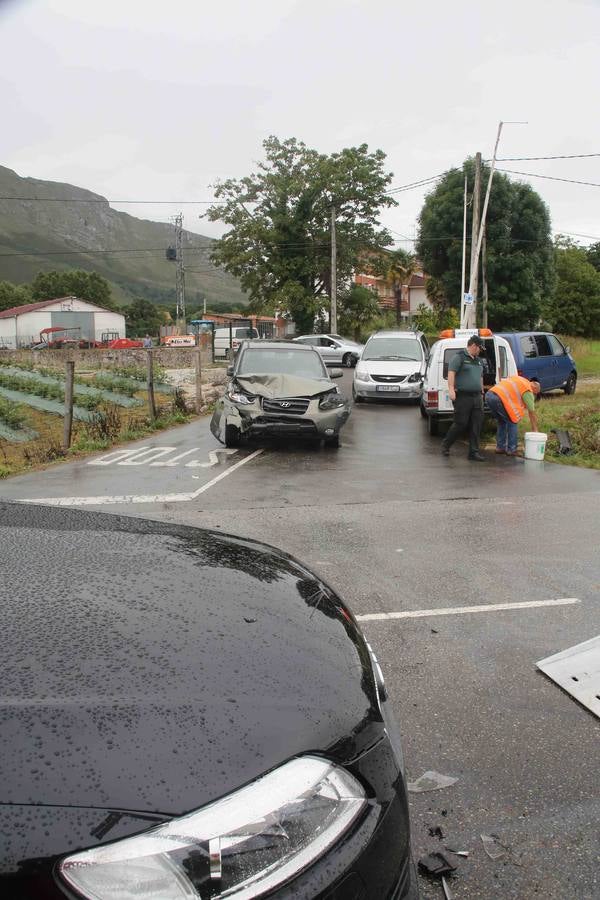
(471, 308)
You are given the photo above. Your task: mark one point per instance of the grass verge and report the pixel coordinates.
(579, 414)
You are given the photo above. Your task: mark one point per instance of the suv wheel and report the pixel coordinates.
(433, 426)
(232, 436)
(571, 384)
(333, 441)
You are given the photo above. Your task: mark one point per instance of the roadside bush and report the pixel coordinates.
(105, 425)
(12, 414)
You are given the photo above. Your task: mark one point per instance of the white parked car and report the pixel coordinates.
(391, 366)
(334, 349)
(498, 359)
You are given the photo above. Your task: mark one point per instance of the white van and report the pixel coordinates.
(228, 340)
(499, 362)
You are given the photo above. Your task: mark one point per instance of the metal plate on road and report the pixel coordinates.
(388, 387)
(577, 671)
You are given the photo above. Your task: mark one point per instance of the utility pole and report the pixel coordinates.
(333, 310)
(179, 274)
(464, 253)
(470, 308)
(484, 305)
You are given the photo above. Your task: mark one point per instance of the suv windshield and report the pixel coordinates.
(393, 348)
(266, 361)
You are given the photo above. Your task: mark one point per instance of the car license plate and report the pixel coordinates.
(388, 387)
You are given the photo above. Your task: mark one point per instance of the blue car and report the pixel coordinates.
(542, 357)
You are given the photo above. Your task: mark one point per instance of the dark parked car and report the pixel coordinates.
(542, 357)
(187, 714)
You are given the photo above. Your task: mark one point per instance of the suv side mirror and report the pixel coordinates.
(230, 370)
(567, 349)
(336, 373)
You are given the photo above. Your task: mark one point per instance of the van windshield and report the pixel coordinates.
(393, 348)
(290, 361)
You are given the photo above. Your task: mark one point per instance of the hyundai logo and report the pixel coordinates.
(285, 404)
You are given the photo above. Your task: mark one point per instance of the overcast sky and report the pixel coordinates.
(147, 100)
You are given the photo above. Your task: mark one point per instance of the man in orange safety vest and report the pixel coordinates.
(508, 401)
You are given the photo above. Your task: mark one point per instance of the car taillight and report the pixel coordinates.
(431, 399)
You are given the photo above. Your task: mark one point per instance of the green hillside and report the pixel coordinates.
(59, 235)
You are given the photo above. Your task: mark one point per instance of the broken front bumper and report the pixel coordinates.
(252, 419)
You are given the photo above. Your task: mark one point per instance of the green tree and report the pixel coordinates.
(143, 317)
(520, 258)
(359, 312)
(13, 295)
(279, 244)
(575, 305)
(76, 282)
(593, 255)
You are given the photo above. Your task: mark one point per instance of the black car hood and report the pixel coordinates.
(153, 668)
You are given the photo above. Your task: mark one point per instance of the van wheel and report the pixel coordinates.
(571, 384)
(433, 426)
(347, 360)
(422, 410)
(232, 436)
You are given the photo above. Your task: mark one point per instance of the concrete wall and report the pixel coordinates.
(167, 357)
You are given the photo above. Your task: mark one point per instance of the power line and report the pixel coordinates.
(550, 177)
(415, 184)
(531, 158)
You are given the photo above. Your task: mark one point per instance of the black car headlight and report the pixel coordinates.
(416, 376)
(239, 397)
(241, 846)
(331, 401)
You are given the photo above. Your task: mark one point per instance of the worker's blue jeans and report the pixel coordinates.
(507, 436)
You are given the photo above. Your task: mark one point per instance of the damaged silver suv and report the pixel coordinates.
(280, 388)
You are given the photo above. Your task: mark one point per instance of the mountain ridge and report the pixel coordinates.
(41, 230)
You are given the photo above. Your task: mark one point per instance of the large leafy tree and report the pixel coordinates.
(13, 295)
(144, 317)
(359, 312)
(278, 243)
(574, 308)
(520, 258)
(77, 282)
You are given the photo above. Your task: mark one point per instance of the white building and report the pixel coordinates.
(21, 325)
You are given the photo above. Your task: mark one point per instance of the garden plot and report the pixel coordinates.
(81, 387)
(13, 425)
(57, 407)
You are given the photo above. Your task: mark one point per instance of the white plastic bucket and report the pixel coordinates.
(535, 444)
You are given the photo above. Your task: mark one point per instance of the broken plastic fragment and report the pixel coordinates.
(431, 781)
(492, 846)
(436, 864)
(447, 894)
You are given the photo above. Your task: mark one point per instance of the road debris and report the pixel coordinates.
(464, 853)
(577, 671)
(436, 832)
(436, 865)
(492, 845)
(447, 894)
(431, 781)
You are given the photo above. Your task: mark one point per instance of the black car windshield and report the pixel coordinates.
(393, 348)
(267, 361)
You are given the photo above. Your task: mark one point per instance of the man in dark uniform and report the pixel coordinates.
(465, 387)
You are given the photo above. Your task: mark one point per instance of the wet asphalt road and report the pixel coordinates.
(393, 526)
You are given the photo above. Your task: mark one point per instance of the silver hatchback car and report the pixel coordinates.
(392, 366)
(334, 349)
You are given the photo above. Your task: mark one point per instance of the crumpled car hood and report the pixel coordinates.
(284, 385)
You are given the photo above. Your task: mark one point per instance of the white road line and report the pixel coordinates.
(115, 456)
(213, 459)
(175, 459)
(142, 498)
(146, 456)
(460, 610)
